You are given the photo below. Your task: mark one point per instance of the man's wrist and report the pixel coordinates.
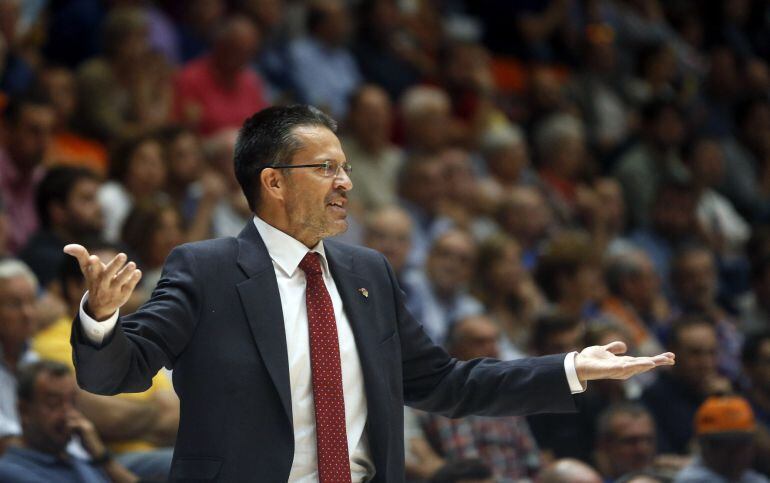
(97, 315)
(103, 458)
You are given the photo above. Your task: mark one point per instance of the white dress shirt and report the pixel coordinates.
(286, 254)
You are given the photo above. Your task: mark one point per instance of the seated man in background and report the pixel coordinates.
(504, 444)
(18, 313)
(139, 427)
(49, 419)
(726, 430)
(625, 440)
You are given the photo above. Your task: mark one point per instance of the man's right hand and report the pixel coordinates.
(109, 285)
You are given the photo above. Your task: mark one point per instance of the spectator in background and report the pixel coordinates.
(726, 429)
(198, 25)
(232, 212)
(653, 160)
(422, 194)
(18, 315)
(569, 470)
(220, 89)
(128, 90)
(561, 435)
(273, 61)
(568, 272)
(46, 395)
(194, 188)
(504, 444)
(67, 146)
(151, 230)
(464, 471)
(635, 299)
(440, 295)
(138, 173)
(465, 204)
(674, 225)
(754, 307)
(139, 428)
(525, 216)
(625, 440)
(324, 70)
(724, 228)
(27, 131)
(16, 71)
(675, 396)
(508, 293)
(694, 279)
(598, 92)
(756, 364)
(562, 158)
(368, 146)
(68, 210)
(389, 231)
(385, 53)
(506, 156)
(427, 117)
(746, 158)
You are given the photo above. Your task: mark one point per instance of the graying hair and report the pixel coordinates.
(12, 268)
(419, 98)
(553, 130)
(500, 137)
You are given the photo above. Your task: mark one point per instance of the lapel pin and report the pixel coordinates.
(364, 292)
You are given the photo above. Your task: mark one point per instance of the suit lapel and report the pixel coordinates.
(262, 303)
(360, 312)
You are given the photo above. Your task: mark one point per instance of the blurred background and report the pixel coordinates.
(542, 175)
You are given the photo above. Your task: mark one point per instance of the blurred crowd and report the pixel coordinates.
(542, 175)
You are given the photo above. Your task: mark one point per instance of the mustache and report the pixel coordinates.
(335, 196)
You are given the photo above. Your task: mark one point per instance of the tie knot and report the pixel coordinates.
(310, 264)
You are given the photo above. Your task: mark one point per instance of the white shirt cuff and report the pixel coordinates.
(575, 386)
(97, 331)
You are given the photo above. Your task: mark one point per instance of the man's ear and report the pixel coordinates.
(272, 183)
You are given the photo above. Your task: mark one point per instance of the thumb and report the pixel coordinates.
(616, 347)
(79, 252)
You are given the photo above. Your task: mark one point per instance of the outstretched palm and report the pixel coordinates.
(607, 362)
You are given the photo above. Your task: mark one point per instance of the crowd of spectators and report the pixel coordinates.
(542, 176)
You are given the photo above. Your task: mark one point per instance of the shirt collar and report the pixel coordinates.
(286, 251)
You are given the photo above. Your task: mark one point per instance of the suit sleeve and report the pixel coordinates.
(433, 381)
(146, 340)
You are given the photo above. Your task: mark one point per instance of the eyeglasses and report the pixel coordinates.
(328, 168)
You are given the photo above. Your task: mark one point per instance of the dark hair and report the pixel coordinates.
(745, 108)
(651, 111)
(140, 226)
(315, 16)
(56, 187)
(550, 324)
(466, 469)
(562, 256)
(751, 346)
(120, 157)
(27, 375)
(685, 322)
(267, 138)
(16, 104)
(604, 420)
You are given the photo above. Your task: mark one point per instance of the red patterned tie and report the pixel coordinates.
(331, 437)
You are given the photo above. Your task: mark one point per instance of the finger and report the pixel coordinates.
(112, 268)
(666, 359)
(80, 253)
(124, 274)
(95, 267)
(129, 286)
(616, 347)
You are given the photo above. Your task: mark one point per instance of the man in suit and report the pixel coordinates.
(293, 356)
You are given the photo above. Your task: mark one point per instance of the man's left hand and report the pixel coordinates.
(607, 362)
